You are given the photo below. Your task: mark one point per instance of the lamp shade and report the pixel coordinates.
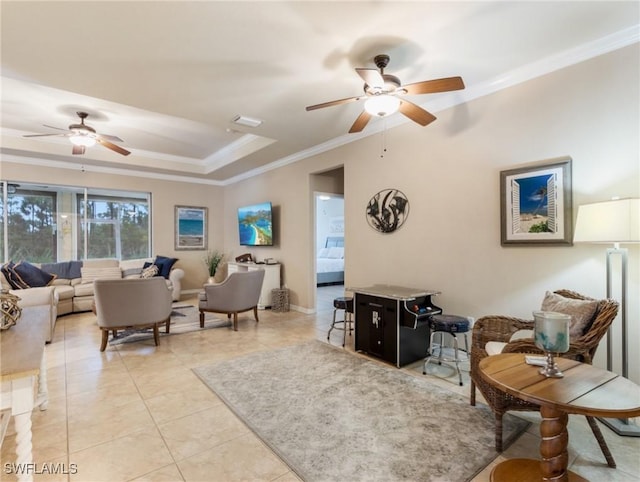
(616, 221)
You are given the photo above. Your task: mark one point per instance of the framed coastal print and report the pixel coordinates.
(535, 204)
(191, 228)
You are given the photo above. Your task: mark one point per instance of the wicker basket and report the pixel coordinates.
(280, 300)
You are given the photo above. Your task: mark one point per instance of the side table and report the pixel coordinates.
(22, 363)
(584, 390)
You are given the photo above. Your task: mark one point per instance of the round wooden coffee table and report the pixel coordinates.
(584, 390)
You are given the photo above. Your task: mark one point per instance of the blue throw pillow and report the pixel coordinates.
(164, 265)
(32, 276)
(12, 278)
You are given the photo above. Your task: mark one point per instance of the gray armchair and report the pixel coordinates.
(132, 303)
(238, 293)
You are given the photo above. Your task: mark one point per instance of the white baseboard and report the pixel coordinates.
(306, 311)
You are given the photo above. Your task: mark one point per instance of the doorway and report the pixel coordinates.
(329, 249)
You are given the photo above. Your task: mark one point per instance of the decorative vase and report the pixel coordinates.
(551, 335)
(211, 280)
(9, 309)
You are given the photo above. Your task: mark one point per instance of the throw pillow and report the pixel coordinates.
(164, 265)
(33, 276)
(151, 263)
(6, 275)
(581, 311)
(12, 277)
(149, 271)
(3, 278)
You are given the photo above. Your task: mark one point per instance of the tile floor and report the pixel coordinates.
(137, 412)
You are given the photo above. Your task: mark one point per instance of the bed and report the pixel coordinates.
(330, 262)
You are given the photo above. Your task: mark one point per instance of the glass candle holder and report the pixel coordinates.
(551, 335)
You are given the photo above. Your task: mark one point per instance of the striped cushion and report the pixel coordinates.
(91, 274)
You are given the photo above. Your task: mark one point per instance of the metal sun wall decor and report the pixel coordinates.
(387, 210)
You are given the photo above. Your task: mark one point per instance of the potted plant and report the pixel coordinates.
(213, 260)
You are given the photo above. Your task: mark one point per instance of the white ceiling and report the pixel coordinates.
(168, 77)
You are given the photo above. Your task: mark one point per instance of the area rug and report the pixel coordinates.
(184, 319)
(332, 415)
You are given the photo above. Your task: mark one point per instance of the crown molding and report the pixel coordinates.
(247, 144)
(36, 161)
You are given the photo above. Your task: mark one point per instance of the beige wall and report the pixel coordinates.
(290, 190)
(165, 195)
(450, 173)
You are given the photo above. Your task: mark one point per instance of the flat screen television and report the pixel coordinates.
(255, 225)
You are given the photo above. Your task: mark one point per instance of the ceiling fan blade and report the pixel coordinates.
(361, 122)
(334, 102)
(77, 150)
(110, 138)
(56, 128)
(42, 135)
(416, 113)
(113, 147)
(435, 85)
(372, 77)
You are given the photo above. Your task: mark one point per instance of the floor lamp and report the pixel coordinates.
(613, 222)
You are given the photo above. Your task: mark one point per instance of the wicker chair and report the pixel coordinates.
(501, 328)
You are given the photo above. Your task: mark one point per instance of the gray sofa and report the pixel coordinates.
(75, 293)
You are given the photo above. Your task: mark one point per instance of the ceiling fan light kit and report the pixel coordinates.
(382, 105)
(382, 92)
(80, 139)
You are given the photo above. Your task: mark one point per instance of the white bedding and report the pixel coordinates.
(330, 265)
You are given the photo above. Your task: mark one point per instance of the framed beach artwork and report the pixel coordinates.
(535, 204)
(191, 228)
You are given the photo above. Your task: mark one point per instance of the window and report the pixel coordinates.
(30, 225)
(60, 223)
(117, 227)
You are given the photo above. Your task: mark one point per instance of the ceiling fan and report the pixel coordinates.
(383, 93)
(83, 136)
